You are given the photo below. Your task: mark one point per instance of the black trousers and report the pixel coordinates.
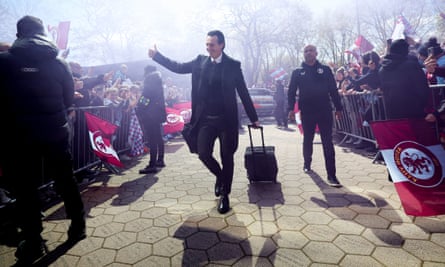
(324, 121)
(155, 141)
(209, 131)
(280, 113)
(26, 166)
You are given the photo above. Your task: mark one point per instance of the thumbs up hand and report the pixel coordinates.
(152, 51)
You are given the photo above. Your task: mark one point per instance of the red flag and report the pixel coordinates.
(100, 132)
(62, 34)
(59, 34)
(175, 122)
(416, 162)
(360, 46)
(185, 109)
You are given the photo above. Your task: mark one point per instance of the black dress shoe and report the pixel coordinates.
(218, 189)
(223, 204)
(148, 169)
(76, 232)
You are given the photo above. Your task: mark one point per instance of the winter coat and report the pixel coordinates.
(405, 87)
(36, 90)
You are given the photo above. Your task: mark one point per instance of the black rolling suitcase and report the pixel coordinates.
(260, 161)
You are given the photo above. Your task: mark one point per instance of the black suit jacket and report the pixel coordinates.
(232, 83)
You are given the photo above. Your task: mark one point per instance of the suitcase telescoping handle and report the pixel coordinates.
(262, 135)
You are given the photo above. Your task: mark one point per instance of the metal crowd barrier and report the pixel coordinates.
(358, 111)
(362, 108)
(83, 155)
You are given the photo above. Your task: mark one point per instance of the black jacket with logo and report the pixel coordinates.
(316, 88)
(36, 90)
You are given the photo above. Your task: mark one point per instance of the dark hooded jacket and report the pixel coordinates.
(36, 89)
(151, 105)
(405, 87)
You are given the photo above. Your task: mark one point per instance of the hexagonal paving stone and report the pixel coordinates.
(383, 237)
(201, 240)
(425, 250)
(100, 257)
(183, 229)
(409, 230)
(152, 234)
(99, 220)
(289, 257)
(138, 225)
(265, 214)
(261, 228)
(180, 209)
(108, 229)
(245, 208)
(116, 210)
(352, 244)
(395, 257)
(168, 247)
(372, 221)
(319, 232)
(126, 216)
(341, 212)
(253, 261)
(290, 239)
(291, 223)
(432, 225)
(232, 253)
(86, 246)
(290, 210)
(331, 254)
(233, 234)
(187, 199)
(134, 253)
(240, 219)
(346, 227)
(119, 240)
(212, 224)
(438, 238)
(258, 246)
(153, 261)
(154, 212)
(315, 217)
(357, 260)
(167, 220)
(190, 257)
(141, 205)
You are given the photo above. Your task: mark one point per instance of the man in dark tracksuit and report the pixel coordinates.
(216, 80)
(37, 90)
(316, 85)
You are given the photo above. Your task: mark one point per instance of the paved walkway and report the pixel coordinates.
(170, 219)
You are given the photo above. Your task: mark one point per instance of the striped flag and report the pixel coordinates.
(278, 73)
(416, 162)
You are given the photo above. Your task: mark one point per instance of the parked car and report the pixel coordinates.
(263, 101)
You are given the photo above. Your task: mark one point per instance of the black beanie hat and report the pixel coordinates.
(29, 26)
(399, 47)
(432, 42)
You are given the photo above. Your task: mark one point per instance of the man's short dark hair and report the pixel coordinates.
(219, 35)
(29, 26)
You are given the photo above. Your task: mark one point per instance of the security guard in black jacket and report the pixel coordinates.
(316, 85)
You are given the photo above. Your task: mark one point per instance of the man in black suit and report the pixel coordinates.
(215, 81)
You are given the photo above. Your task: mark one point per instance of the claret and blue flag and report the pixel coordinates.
(100, 132)
(416, 162)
